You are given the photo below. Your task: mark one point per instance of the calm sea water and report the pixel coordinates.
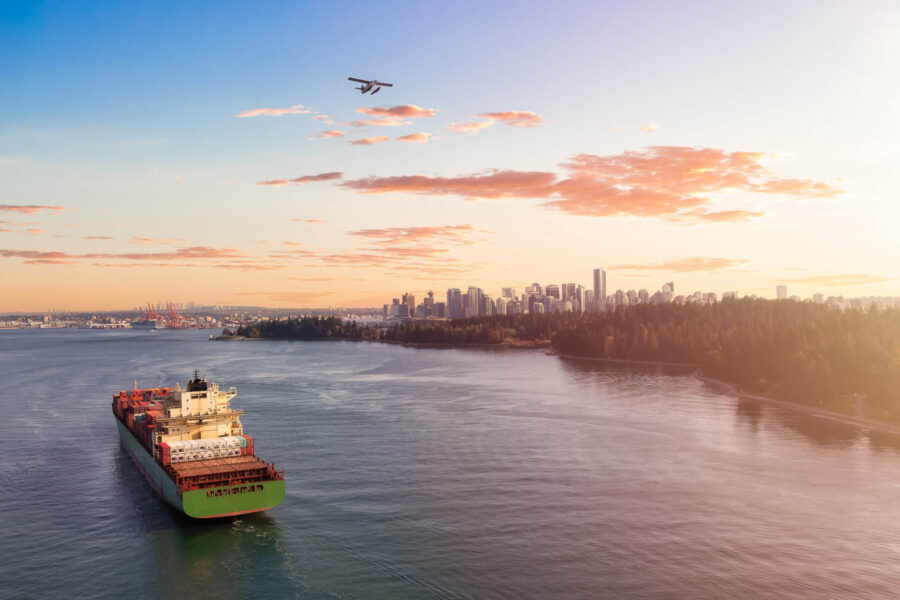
(438, 474)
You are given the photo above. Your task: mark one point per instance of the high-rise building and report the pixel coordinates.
(487, 306)
(428, 301)
(732, 294)
(781, 292)
(599, 288)
(473, 302)
(589, 305)
(454, 304)
(632, 297)
(439, 310)
(578, 300)
(508, 292)
(500, 305)
(537, 288)
(643, 296)
(410, 301)
(552, 290)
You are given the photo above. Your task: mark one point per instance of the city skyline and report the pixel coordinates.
(724, 148)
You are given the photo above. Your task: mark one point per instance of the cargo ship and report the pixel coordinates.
(190, 445)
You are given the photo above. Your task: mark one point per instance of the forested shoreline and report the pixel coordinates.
(794, 351)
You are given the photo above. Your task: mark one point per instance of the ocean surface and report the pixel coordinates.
(438, 473)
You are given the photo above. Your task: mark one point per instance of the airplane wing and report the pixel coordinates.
(358, 80)
(384, 84)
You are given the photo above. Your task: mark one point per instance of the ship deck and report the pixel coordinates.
(218, 466)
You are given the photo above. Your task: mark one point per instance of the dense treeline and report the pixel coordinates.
(794, 351)
(308, 328)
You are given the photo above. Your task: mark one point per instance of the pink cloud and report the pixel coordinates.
(686, 265)
(406, 111)
(514, 118)
(649, 128)
(674, 183)
(310, 221)
(303, 179)
(379, 122)
(273, 112)
(370, 140)
(35, 231)
(331, 133)
(472, 127)
(419, 138)
(97, 237)
(31, 208)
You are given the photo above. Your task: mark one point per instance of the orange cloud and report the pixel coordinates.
(370, 140)
(31, 208)
(459, 234)
(97, 237)
(473, 127)
(514, 118)
(35, 231)
(686, 265)
(325, 118)
(303, 179)
(331, 133)
(649, 128)
(420, 138)
(499, 184)
(309, 221)
(273, 112)
(405, 111)
(839, 280)
(675, 183)
(146, 240)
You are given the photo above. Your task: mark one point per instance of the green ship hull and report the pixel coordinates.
(205, 503)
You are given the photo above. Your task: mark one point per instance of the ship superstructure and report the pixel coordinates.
(190, 444)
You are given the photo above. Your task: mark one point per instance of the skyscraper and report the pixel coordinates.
(410, 301)
(552, 290)
(781, 292)
(599, 288)
(454, 304)
(473, 306)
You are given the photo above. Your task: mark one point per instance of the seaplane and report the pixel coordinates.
(369, 85)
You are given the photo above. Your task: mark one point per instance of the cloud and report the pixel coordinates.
(420, 138)
(29, 209)
(458, 234)
(675, 183)
(649, 128)
(473, 127)
(379, 122)
(326, 118)
(686, 265)
(302, 179)
(370, 140)
(97, 237)
(514, 118)
(498, 184)
(35, 231)
(405, 111)
(331, 133)
(839, 280)
(273, 112)
(310, 221)
(146, 240)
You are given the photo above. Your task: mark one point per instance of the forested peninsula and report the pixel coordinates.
(794, 351)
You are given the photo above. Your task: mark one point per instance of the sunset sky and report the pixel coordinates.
(217, 153)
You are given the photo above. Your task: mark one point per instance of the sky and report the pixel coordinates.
(217, 153)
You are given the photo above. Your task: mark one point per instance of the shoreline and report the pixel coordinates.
(730, 388)
(815, 411)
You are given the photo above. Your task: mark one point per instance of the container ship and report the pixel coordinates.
(191, 446)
